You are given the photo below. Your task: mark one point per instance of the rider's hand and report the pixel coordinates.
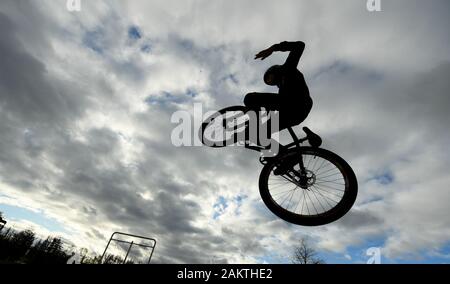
(264, 54)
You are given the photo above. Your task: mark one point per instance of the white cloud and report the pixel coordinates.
(80, 143)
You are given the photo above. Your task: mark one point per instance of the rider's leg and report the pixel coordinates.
(269, 101)
(257, 101)
(291, 117)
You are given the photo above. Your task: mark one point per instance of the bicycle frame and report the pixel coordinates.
(297, 143)
(290, 163)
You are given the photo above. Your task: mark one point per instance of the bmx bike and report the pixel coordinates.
(303, 185)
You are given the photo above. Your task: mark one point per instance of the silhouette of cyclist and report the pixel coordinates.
(293, 100)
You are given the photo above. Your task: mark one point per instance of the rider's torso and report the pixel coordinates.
(293, 86)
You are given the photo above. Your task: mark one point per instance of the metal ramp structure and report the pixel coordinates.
(130, 241)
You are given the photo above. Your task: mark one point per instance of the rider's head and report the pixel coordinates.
(272, 76)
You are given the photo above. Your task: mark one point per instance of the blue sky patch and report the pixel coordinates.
(94, 41)
(191, 93)
(134, 33)
(219, 207)
(385, 178)
(231, 78)
(186, 44)
(239, 199)
(163, 98)
(360, 255)
(343, 68)
(166, 97)
(146, 48)
(337, 66)
(222, 204)
(14, 213)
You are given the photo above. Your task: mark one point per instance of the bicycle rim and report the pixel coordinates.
(327, 194)
(224, 128)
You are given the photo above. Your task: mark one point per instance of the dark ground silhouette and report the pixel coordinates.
(24, 247)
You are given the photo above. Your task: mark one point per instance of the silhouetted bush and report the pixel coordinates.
(24, 247)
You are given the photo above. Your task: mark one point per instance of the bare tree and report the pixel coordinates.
(306, 254)
(2, 221)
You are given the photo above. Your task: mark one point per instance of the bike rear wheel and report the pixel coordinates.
(218, 130)
(322, 194)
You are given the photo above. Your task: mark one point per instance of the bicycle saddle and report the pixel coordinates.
(313, 139)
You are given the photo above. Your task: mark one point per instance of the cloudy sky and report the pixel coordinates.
(86, 100)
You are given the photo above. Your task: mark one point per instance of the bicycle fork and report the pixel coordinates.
(297, 143)
(303, 173)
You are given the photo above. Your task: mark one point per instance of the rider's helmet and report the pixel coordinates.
(272, 76)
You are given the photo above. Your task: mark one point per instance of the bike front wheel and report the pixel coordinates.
(322, 193)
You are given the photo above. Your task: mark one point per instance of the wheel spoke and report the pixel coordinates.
(321, 182)
(335, 174)
(287, 196)
(295, 210)
(309, 161)
(326, 190)
(281, 193)
(329, 170)
(321, 165)
(290, 199)
(312, 193)
(329, 187)
(320, 203)
(330, 198)
(306, 203)
(331, 206)
(278, 186)
(307, 194)
(315, 162)
(279, 182)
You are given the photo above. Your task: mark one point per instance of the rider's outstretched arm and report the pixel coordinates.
(295, 48)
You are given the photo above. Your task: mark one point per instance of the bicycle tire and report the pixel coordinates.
(207, 123)
(335, 213)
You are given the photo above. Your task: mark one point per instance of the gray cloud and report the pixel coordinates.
(27, 87)
(85, 132)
